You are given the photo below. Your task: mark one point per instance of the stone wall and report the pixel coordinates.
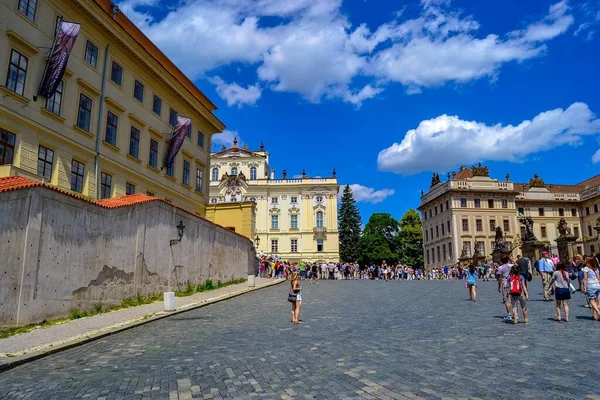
(60, 252)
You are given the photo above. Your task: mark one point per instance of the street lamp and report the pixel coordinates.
(180, 229)
(257, 241)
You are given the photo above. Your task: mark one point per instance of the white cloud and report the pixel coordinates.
(310, 47)
(226, 138)
(369, 195)
(235, 94)
(590, 14)
(447, 141)
(596, 157)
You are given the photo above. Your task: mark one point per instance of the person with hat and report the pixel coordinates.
(546, 267)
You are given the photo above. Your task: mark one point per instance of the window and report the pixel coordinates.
(294, 245)
(576, 231)
(138, 91)
(274, 200)
(45, 159)
(153, 159)
(447, 204)
(504, 203)
(426, 235)
(521, 211)
(431, 232)
(442, 229)
(587, 211)
(253, 174)
(171, 170)
(435, 210)
(186, 172)
(465, 225)
(425, 215)
(463, 203)
(541, 211)
(595, 208)
(116, 73)
(134, 142)
(467, 247)
(274, 221)
(294, 200)
(91, 54)
(573, 212)
(172, 117)
(490, 203)
(188, 133)
(448, 223)
(506, 225)
(201, 143)
(84, 117)
(477, 203)
(234, 171)
(215, 174)
(319, 219)
(129, 188)
(77, 169)
(437, 231)
(444, 251)
(17, 72)
(479, 225)
(438, 254)
(320, 246)
(112, 122)
(53, 103)
(561, 212)
(199, 174)
(481, 247)
(293, 221)
(427, 253)
(319, 199)
(156, 105)
(27, 8)
(544, 232)
(105, 184)
(274, 246)
(7, 147)
(492, 225)
(589, 230)
(449, 251)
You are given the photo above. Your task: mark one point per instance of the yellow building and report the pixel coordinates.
(239, 217)
(94, 141)
(464, 211)
(296, 218)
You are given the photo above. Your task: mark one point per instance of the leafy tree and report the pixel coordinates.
(349, 226)
(378, 241)
(410, 239)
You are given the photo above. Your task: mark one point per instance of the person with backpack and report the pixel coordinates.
(472, 282)
(518, 294)
(503, 287)
(562, 292)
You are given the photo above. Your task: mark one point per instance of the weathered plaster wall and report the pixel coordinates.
(59, 252)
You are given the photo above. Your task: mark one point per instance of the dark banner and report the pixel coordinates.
(177, 138)
(63, 45)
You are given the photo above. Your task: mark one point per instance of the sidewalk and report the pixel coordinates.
(25, 347)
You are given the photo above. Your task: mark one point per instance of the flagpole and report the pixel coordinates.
(60, 19)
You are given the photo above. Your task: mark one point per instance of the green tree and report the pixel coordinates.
(349, 222)
(378, 241)
(410, 239)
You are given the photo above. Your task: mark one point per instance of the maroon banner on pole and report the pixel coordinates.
(177, 138)
(57, 64)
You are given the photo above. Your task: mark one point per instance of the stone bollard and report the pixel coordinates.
(169, 301)
(251, 281)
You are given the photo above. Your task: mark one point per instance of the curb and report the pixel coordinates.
(51, 349)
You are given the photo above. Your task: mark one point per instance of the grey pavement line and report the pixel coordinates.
(35, 353)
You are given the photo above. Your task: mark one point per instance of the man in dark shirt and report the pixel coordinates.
(524, 264)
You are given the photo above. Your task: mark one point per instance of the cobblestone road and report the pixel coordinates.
(360, 339)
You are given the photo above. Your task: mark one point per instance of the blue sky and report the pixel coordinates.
(388, 91)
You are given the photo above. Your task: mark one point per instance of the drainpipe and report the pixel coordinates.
(100, 111)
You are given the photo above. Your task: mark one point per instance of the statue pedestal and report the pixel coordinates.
(531, 249)
(498, 254)
(464, 261)
(565, 247)
(477, 260)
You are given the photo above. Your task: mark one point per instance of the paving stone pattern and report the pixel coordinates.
(360, 339)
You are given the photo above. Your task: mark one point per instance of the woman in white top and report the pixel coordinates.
(591, 285)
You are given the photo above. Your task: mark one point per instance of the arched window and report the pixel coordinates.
(253, 173)
(215, 174)
(234, 171)
(319, 219)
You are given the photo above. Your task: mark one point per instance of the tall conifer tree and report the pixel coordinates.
(349, 226)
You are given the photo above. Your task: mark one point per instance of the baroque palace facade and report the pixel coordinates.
(293, 218)
(464, 211)
(104, 132)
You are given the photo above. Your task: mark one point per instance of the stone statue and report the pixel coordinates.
(477, 252)
(463, 253)
(453, 174)
(563, 228)
(499, 237)
(528, 236)
(480, 170)
(435, 179)
(536, 181)
(507, 177)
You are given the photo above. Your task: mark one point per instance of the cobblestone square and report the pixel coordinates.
(359, 339)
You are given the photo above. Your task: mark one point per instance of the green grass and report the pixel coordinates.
(137, 300)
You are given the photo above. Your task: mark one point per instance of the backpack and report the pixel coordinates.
(515, 285)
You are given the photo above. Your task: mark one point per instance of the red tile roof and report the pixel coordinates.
(464, 174)
(127, 200)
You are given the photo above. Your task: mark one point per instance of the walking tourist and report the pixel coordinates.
(524, 264)
(295, 297)
(471, 282)
(503, 275)
(591, 285)
(518, 294)
(314, 270)
(546, 268)
(562, 293)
